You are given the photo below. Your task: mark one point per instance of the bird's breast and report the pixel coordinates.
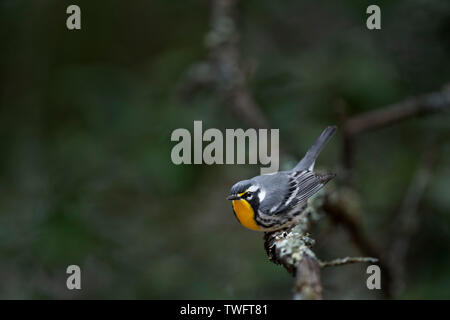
(245, 214)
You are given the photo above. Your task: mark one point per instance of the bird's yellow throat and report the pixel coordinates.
(245, 214)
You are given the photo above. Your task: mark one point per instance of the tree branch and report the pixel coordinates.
(222, 42)
(291, 248)
(346, 260)
(407, 222)
(340, 212)
(308, 285)
(412, 107)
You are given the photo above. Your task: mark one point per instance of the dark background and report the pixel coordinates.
(85, 122)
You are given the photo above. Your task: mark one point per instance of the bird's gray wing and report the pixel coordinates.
(301, 186)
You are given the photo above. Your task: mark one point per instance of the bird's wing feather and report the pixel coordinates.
(302, 185)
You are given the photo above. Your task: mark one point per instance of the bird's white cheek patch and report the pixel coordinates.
(261, 195)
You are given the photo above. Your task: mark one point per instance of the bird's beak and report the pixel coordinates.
(233, 197)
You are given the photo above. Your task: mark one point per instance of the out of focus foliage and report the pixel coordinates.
(85, 123)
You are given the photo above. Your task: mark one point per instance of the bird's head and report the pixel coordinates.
(245, 199)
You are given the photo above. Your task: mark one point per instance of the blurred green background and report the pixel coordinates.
(85, 122)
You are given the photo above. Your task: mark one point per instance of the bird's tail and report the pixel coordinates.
(307, 163)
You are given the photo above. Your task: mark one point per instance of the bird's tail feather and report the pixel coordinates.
(307, 163)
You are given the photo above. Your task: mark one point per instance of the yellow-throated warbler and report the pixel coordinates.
(273, 201)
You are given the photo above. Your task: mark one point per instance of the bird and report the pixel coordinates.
(270, 202)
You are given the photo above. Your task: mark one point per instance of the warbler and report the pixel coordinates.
(274, 201)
